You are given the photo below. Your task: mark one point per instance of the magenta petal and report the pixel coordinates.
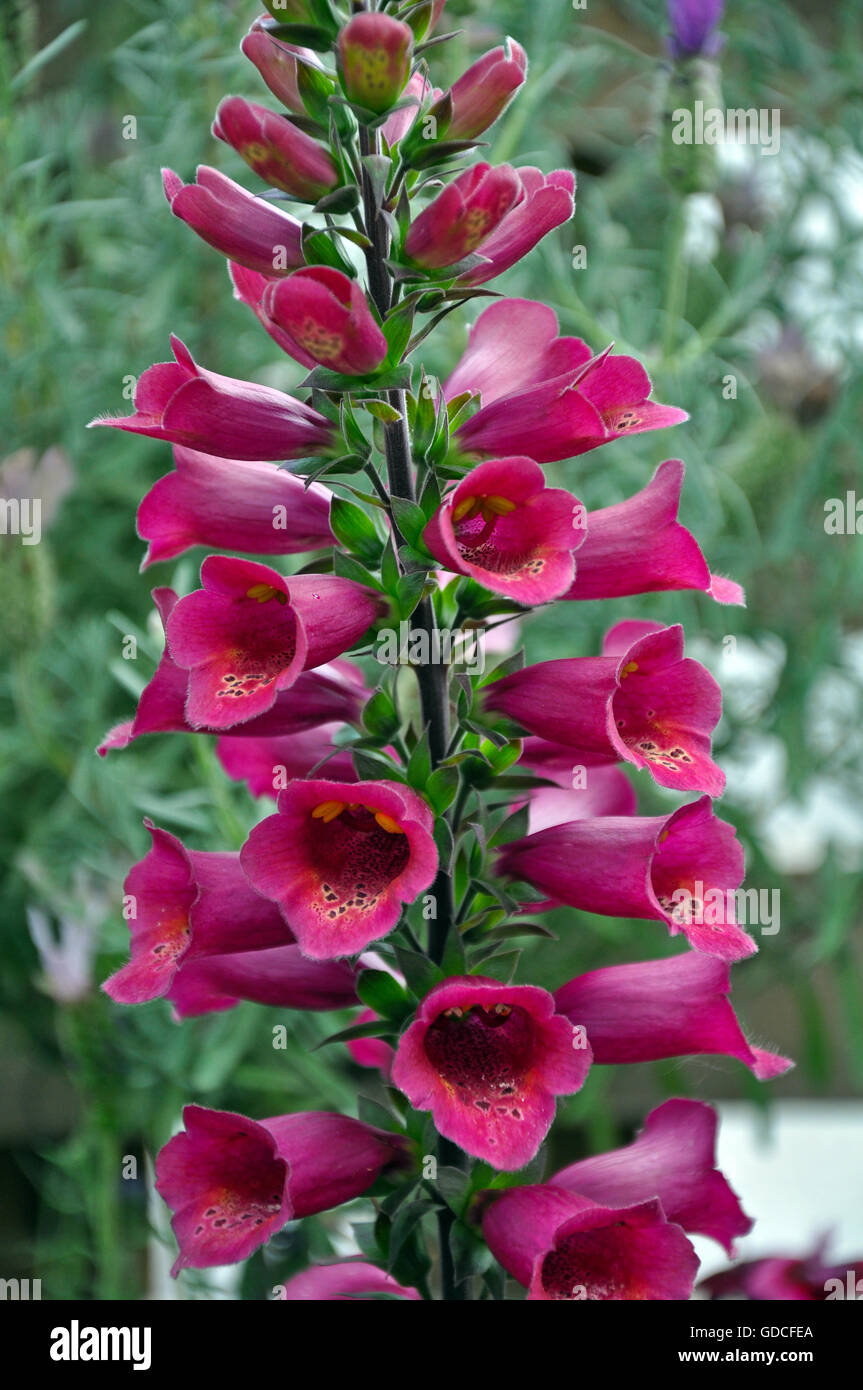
(246, 229)
(639, 547)
(547, 422)
(158, 895)
(487, 1060)
(547, 203)
(325, 315)
(513, 344)
(662, 1008)
(340, 859)
(231, 504)
(673, 1159)
(280, 977)
(346, 1281)
(266, 765)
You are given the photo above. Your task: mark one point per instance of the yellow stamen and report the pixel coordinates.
(328, 810)
(263, 592)
(388, 824)
(628, 669)
(501, 506)
(467, 509)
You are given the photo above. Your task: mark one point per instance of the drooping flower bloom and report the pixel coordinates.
(233, 504)
(641, 701)
(681, 869)
(334, 692)
(276, 150)
(789, 1278)
(548, 201)
(244, 228)
(488, 1060)
(693, 27)
(483, 93)
(587, 785)
(346, 1281)
(185, 404)
(280, 977)
(277, 62)
(500, 213)
(544, 395)
(677, 1007)
(266, 765)
(340, 859)
(249, 632)
(674, 1159)
(375, 59)
(505, 528)
(233, 1182)
(325, 315)
(419, 90)
(563, 1247)
(639, 547)
(612, 1227)
(183, 904)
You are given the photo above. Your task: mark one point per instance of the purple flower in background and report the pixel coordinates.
(693, 27)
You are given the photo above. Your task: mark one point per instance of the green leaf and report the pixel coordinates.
(420, 764)
(380, 717)
(382, 410)
(441, 788)
(409, 590)
(421, 973)
(379, 991)
(410, 519)
(341, 200)
(397, 329)
(320, 249)
(349, 568)
(372, 767)
(303, 35)
(375, 1028)
(390, 568)
(355, 529)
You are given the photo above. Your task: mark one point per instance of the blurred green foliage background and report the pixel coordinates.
(759, 278)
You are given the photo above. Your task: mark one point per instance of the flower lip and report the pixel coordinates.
(697, 853)
(488, 1059)
(340, 858)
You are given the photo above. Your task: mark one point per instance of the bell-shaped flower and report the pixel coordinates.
(266, 765)
(277, 62)
(456, 223)
(278, 151)
(232, 504)
(502, 526)
(682, 869)
(488, 1060)
(348, 1280)
(244, 228)
(483, 93)
(639, 547)
(547, 201)
(375, 59)
(677, 1007)
(280, 977)
(545, 395)
(185, 404)
(641, 701)
(325, 315)
(340, 859)
(249, 632)
(183, 904)
(232, 1182)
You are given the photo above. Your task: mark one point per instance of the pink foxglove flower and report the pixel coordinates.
(233, 1182)
(641, 701)
(277, 62)
(244, 228)
(544, 395)
(340, 859)
(279, 152)
(677, 1007)
(232, 504)
(183, 904)
(788, 1279)
(346, 1281)
(639, 547)
(487, 1060)
(375, 59)
(566, 1248)
(483, 93)
(674, 1159)
(547, 201)
(249, 632)
(681, 869)
(185, 404)
(459, 219)
(280, 977)
(266, 765)
(502, 526)
(371, 1052)
(325, 315)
